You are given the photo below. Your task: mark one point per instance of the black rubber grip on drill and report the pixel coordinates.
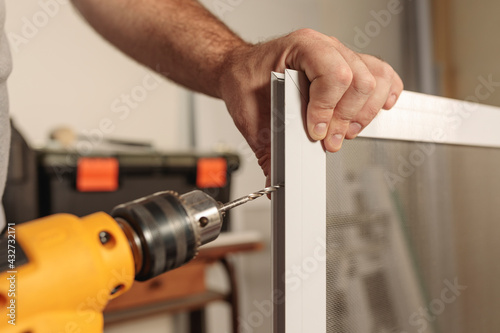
(165, 230)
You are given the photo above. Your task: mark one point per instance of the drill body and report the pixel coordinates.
(71, 267)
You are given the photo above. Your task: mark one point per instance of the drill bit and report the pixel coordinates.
(252, 196)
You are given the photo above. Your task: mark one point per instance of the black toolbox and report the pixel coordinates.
(44, 182)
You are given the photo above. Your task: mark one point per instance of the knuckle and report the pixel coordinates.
(371, 112)
(322, 113)
(303, 33)
(365, 85)
(344, 117)
(385, 71)
(343, 75)
(345, 114)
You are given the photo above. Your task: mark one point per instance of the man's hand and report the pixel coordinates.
(347, 89)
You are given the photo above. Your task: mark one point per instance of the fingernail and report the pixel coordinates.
(336, 140)
(320, 129)
(354, 128)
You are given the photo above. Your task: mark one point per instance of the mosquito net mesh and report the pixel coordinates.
(413, 238)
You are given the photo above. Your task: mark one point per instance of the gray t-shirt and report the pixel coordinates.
(5, 68)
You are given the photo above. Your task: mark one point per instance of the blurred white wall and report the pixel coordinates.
(65, 74)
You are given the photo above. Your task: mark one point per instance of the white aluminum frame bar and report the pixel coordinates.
(301, 275)
(425, 118)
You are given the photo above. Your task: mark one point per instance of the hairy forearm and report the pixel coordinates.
(178, 38)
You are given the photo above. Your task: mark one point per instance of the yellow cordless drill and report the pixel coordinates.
(57, 273)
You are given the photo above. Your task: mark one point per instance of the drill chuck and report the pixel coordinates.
(165, 229)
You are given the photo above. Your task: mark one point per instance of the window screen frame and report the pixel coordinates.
(299, 210)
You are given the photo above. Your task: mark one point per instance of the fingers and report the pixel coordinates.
(338, 95)
(357, 108)
(362, 86)
(347, 89)
(385, 95)
(328, 84)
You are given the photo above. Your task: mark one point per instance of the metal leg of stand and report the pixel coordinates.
(232, 298)
(197, 318)
(197, 321)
